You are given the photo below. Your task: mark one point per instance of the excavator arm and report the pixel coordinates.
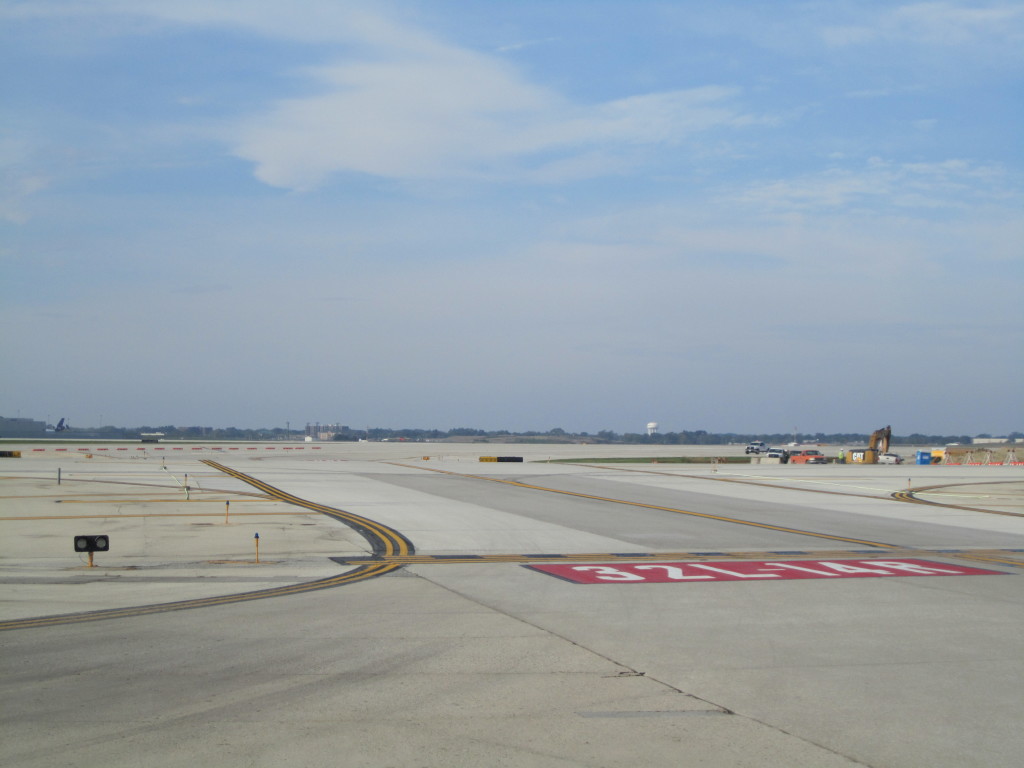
(877, 445)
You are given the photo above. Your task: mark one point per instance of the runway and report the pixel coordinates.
(454, 650)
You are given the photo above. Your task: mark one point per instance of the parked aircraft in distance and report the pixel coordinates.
(61, 426)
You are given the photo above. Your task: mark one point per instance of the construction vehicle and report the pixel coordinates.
(877, 444)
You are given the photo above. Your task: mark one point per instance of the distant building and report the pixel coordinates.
(320, 431)
(22, 428)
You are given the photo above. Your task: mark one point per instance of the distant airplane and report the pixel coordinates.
(61, 426)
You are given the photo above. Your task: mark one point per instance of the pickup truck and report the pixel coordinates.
(757, 447)
(811, 456)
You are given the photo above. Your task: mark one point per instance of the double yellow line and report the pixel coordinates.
(385, 542)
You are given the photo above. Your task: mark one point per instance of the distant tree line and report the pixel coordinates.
(697, 437)
(700, 437)
(556, 435)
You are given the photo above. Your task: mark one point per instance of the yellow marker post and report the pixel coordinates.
(257, 538)
(227, 509)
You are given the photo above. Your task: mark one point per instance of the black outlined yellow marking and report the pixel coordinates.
(384, 542)
(889, 548)
(358, 574)
(627, 502)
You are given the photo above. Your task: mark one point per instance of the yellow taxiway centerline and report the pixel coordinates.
(705, 515)
(360, 574)
(722, 518)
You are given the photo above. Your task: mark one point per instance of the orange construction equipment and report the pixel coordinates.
(877, 445)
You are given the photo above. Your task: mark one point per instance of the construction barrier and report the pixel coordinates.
(982, 458)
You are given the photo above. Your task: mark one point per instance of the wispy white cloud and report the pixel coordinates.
(947, 184)
(947, 24)
(14, 193)
(399, 103)
(20, 179)
(524, 44)
(441, 113)
(303, 20)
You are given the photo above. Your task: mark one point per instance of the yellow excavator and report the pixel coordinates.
(877, 445)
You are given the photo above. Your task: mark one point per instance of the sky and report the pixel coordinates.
(749, 217)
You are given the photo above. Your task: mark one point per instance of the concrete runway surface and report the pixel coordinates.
(413, 606)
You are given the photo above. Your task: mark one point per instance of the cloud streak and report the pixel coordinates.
(942, 24)
(455, 114)
(945, 185)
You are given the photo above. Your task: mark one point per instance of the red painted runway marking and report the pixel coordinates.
(668, 573)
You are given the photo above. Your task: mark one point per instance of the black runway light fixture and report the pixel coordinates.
(90, 544)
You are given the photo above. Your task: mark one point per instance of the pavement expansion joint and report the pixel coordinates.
(658, 713)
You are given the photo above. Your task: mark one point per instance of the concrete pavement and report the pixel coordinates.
(496, 664)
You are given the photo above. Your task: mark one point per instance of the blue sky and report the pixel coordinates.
(734, 216)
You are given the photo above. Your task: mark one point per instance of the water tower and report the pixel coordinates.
(652, 427)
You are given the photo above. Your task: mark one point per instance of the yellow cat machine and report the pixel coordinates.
(877, 445)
